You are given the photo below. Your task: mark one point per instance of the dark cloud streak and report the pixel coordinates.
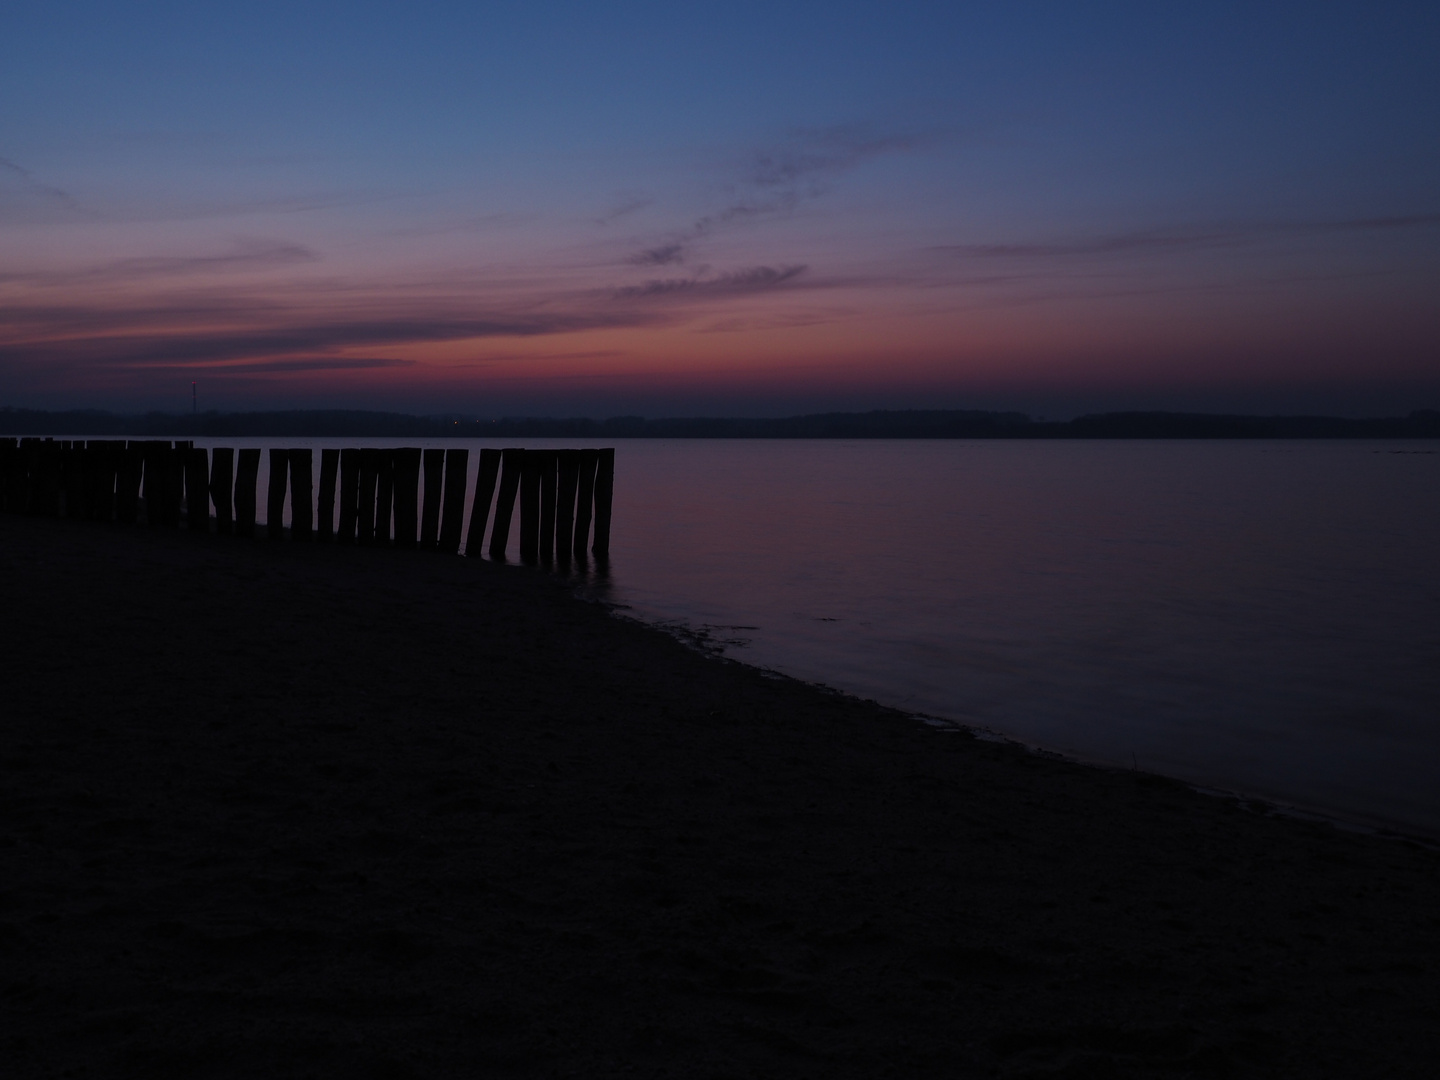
(1187, 238)
(248, 257)
(755, 279)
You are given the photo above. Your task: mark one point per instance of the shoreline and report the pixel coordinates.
(306, 810)
(1257, 801)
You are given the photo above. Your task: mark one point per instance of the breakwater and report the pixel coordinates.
(403, 497)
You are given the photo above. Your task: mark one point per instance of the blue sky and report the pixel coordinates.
(649, 208)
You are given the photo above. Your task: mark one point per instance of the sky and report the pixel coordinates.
(580, 209)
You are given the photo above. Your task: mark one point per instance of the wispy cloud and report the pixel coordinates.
(775, 180)
(246, 256)
(754, 279)
(291, 364)
(804, 165)
(623, 207)
(1181, 238)
(117, 342)
(24, 198)
(663, 255)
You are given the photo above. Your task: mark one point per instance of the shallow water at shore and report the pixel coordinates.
(1253, 616)
(1257, 616)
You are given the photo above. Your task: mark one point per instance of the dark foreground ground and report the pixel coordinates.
(272, 811)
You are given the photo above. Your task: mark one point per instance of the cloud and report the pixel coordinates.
(802, 166)
(774, 180)
(123, 344)
(658, 256)
(307, 363)
(624, 207)
(24, 198)
(247, 256)
(812, 155)
(1186, 237)
(755, 279)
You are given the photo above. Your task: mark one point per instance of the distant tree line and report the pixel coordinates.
(880, 424)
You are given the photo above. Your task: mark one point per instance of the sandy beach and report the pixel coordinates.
(275, 809)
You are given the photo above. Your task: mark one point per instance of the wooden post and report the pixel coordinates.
(72, 466)
(325, 513)
(530, 507)
(46, 499)
(384, 497)
(604, 492)
(222, 485)
(407, 495)
(584, 500)
(480, 508)
(179, 464)
(247, 473)
(127, 484)
(172, 482)
(430, 514)
(511, 461)
(302, 493)
(569, 478)
(275, 505)
(549, 466)
(197, 490)
(349, 495)
(99, 480)
(154, 493)
(9, 454)
(457, 462)
(365, 508)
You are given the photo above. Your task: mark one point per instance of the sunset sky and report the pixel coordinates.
(737, 209)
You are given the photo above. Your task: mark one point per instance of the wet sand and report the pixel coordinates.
(281, 810)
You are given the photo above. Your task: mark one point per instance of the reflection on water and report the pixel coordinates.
(1261, 616)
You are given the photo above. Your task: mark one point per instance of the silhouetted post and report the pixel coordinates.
(154, 491)
(302, 493)
(179, 467)
(549, 465)
(9, 454)
(430, 513)
(457, 462)
(72, 465)
(480, 508)
(27, 462)
(365, 509)
(511, 463)
(247, 476)
(127, 483)
(99, 480)
(530, 507)
(568, 467)
(604, 494)
(384, 497)
(171, 482)
(222, 473)
(407, 494)
(584, 500)
(349, 495)
(92, 464)
(46, 500)
(197, 490)
(325, 512)
(275, 506)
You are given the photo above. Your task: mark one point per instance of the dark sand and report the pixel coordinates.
(275, 810)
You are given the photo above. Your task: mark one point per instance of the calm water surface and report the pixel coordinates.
(1254, 616)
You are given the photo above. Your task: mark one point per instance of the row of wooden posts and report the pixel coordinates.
(564, 495)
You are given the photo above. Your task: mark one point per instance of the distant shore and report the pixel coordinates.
(879, 424)
(282, 809)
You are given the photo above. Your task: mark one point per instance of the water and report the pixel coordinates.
(1253, 616)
